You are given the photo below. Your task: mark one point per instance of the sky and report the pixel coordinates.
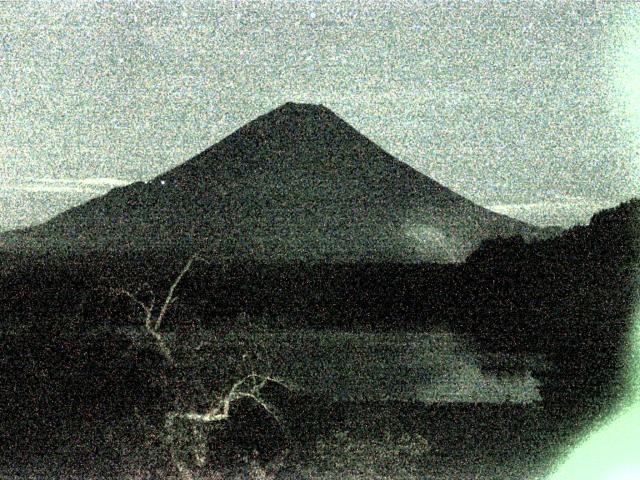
(529, 108)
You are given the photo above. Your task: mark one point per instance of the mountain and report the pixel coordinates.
(295, 184)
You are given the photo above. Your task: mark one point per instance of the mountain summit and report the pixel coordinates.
(296, 184)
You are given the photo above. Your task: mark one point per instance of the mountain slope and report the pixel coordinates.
(297, 183)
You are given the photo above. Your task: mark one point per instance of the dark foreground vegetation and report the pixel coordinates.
(76, 388)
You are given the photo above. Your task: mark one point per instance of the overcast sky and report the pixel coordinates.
(530, 108)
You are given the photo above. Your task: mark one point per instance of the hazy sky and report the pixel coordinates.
(532, 108)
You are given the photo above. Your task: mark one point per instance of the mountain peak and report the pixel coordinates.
(292, 111)
(291, 120)
(294, 107)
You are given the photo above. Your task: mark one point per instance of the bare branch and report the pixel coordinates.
(162, 346)
(221, 411)
(148, 323)
(121, 291)
(268, 408)
(170, 299)
(153, 326)
(148, 320)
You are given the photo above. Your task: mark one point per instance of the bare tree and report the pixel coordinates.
(152, 325)
(249, 386)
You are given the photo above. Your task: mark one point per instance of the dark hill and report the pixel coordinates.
(572, 298)
(296, 184)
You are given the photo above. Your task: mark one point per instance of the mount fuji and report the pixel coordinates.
(296, 184)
